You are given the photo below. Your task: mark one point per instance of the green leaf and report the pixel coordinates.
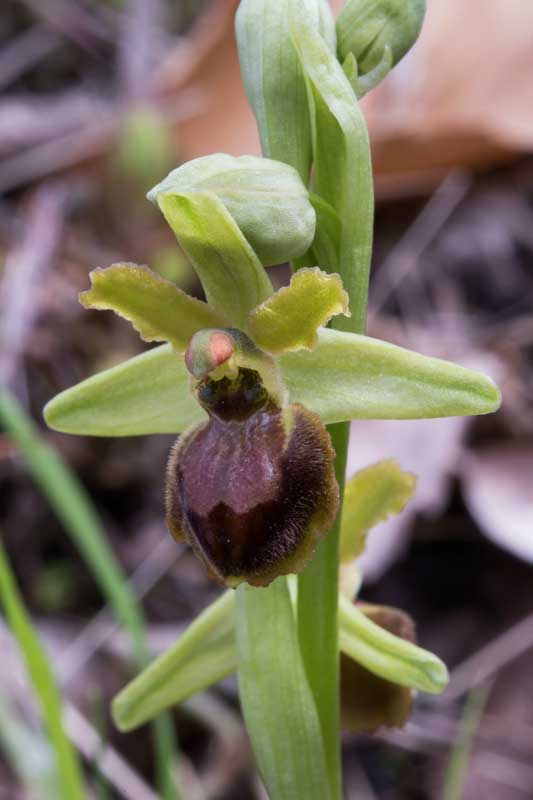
(204, 654)
(289, 319)
(149, 393)
(349, 376)
(157, 309)
(266, 198)
(386, 655)
(278, 706)
(233, 278)
(268, 61)
(342, 168)
(371, 496)
(70, 777)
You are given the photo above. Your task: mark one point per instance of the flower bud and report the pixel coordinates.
(369, 702)
(273, 77)
(377, 33)
(253, 489)
(267, 199)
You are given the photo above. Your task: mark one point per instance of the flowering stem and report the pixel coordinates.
(317, 623)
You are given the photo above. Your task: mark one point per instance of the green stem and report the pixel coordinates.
(317, 623)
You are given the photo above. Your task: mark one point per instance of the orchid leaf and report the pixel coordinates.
(289, 319)
(204, 654)
(157, 309)
(342, 168)
(371, 496)
(386, 655)
(348, 376)
(233, 278)
(149, 393)
(278, 705)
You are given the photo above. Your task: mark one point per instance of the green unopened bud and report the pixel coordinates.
(273, 78)
(267, 199)
(369, 702)
(377, 34)
(252, 490)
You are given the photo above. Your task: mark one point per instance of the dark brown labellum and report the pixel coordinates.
(253, 489)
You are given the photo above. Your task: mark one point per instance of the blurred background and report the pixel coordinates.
(99, 100)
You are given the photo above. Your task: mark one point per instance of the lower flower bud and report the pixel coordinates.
(253, 489)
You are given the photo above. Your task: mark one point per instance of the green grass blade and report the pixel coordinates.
(73, 507)
(28, 753)
(70, 777)
(456, 771)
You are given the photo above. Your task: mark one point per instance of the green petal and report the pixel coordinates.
(386, 655)
(233, 278)
(349, 376)
(204, 654)
(342, 168)
(371, 496)
(157, 309)
(289, 319)
(147, 394)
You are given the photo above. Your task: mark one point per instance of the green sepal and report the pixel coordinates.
(149, 393)
(204, 654)
(268, 61)
(342, 168)
(345, 377)
(348, 376)
(156, 308)
(386, 655)
(233, 278)
(266, 198)
(372, 495)
(289, 319)
(365, 83)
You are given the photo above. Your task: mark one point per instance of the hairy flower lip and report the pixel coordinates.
(253, 489)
